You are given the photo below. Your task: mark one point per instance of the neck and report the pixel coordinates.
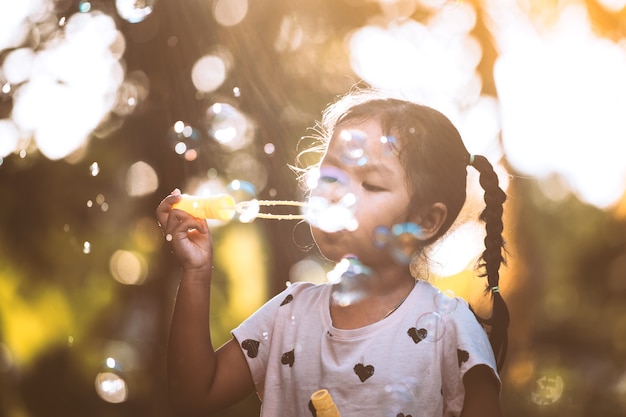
(375, 300)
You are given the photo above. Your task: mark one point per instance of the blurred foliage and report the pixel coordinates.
(61, 312)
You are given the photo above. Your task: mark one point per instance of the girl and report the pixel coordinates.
(393, 351)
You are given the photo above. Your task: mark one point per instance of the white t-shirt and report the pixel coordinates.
(408, 364)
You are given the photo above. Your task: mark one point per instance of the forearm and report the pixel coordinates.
(191, 356)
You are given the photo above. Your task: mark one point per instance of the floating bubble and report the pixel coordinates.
(351, 144)
(389, 145)
(127, 98)
(111, 387)
(430, 326)
(134, 11)
(128, 267)
(445, 302)
(94, 168)
(351, 280)
(230, 12)
(84, 6)
(399, 396)
(5, 89)
(331, 206)
(382, 237)
(111, 363)
(228, 126)
(269, 148)
(548, 390)
(404, 238)
(209, 73)
(185, 140)
(141, 179)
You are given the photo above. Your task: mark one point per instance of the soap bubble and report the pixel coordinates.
(185, 139)
(400, 396)
(111, 387)
(352, 280)
(445, 302)
(430, 326)
(351, 144)
(389, 145)
(382, 237)
(548, 390)
(134, 11)
(228, 126)
(400, 240)
(331, 206)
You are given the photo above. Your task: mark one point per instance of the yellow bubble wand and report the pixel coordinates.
(223, 207)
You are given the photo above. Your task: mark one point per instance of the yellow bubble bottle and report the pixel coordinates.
(324, 404)
(218, 207)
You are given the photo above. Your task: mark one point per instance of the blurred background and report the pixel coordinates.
(107, 106)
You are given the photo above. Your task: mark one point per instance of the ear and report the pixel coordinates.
(431, 220)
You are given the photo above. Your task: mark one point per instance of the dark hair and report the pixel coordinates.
(435, 159)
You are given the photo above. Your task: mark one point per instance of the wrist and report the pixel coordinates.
(202, 273)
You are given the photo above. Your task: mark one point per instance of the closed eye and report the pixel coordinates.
(373, 188)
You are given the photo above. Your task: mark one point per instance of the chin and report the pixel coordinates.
(330, 246)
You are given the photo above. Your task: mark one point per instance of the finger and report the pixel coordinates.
(180, 222)
(165, 206)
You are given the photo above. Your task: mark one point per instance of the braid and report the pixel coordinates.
(493, 256)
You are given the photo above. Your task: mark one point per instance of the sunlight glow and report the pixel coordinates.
(71, 85)
(563, 98)
(436, 61)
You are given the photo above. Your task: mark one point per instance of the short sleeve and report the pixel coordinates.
(254, 335)
(466, 345)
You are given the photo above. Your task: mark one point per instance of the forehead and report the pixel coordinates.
(363, 143)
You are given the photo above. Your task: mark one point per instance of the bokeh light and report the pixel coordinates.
(330, 205)
(230, 12)
(569, 82)
(141, 179)
(209, 73)
(185, 140)
(215, 96)
(134, 11)
(352, 280)
(111, 387)
(228, 126)
(69, 85)
(128, 267)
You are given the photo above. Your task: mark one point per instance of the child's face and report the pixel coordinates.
(369, 169)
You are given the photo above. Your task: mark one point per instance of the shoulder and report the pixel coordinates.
(301, 290)
(304, 292)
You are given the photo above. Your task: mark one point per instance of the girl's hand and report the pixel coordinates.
(189, 236)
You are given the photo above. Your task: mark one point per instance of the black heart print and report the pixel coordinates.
(463, 356)
(287, 300)
(417, 335)
(251, 347)
(288, 358)
(363, 371)
(402, 415)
